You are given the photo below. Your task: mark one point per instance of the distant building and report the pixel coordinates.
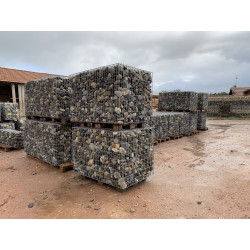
(239, 91)
(12, 85)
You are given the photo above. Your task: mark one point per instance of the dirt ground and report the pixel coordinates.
(203, 176)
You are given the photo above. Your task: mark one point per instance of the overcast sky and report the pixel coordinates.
(197, 61)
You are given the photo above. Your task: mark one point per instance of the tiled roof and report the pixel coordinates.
(20, 76)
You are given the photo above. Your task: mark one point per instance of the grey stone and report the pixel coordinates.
(47, 141)
(130, 163)
(7, 125)
(111, 94)
(9, 111)
(11, 138)
(178, 101)
(48, 97)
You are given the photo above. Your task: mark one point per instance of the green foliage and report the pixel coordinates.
(219, 94)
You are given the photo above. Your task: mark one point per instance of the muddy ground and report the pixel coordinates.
(203, 176)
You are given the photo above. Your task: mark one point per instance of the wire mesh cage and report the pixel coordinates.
(19, 124)
(11, 138)
(202, 121)
(9, 111)
(178, 101)
(193, 121)
(117, 158)
(112, 94)
(48, 97)
(47, 141)
(7, 125)
(202, 101)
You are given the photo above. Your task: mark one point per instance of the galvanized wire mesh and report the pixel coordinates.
(7, 125)
(118, 158)
(202, 101)
(9, 111)
(193, 120)
(111, 94)
(178, 101)
(169, 124)
(19, 124)
(47, 141)
(49, 97)
(11, 138)
(202, 121)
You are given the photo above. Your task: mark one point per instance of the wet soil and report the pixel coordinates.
(203, 176)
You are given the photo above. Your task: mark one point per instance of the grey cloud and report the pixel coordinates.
(199, 61)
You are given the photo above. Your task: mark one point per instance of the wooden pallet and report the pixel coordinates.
(175, 137)
(64, 167)
(110, 126)
(188, 134)
(163, 140)
(180, 111)
(155, 142)
(195, 132)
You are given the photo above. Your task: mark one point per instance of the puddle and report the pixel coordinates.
(198, 146)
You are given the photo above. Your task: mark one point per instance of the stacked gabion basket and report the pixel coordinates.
(109, 106)
(10, 136)
(167, 125)
(191, 106)
(96, 117)
(202, 111)
(47, 133)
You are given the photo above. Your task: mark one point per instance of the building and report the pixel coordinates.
(12, 85)
(239, 91)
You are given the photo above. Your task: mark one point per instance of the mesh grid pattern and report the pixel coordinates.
(7, 125)
(49, 97)
(178, 101)
(50, 142)
(118, 158)
(111, 94)
(202, 120)
(11, 138)
(9, 111)
(193, 119)
(202, 101)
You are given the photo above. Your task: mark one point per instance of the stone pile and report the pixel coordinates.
(193, 121)
(46, 131)
(169, 124)
(195, 105)
(48, 97)
(202, 111)
(116, 94)
(11, 138)
(111, 94)
(7, 125)
(184, 123)
(178, 101)
(48, 141)
(202, 120)
(19, 125)
(9, 111)
(202, 101)
(9, 116)
(93, 101)
(117, 158)
(159, 124)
